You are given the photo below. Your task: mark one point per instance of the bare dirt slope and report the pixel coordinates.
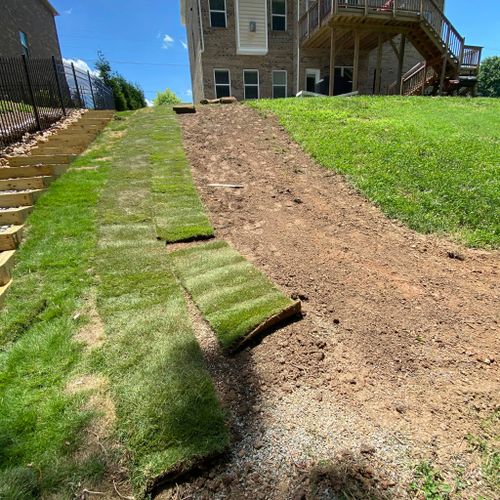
(396, 358)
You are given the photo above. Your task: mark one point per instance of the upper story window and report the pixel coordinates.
(222, 79)
(278, 15)
(218, 16)
(24, 43)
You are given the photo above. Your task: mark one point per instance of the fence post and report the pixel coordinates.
(76, 85)
(58, 83)
(91, 90)
(32, 95)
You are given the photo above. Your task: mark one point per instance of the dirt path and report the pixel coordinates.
(395, 358)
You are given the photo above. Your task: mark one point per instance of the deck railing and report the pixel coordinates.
(427, 11)
(471, 57)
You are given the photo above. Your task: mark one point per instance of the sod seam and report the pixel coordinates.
(235, 298)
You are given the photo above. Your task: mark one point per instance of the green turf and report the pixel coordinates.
(178, 212)
(233, 296)
(434, 163)
(41, 424)
(168, 415)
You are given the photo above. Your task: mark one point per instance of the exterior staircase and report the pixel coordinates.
(448, 63)
(27, 177)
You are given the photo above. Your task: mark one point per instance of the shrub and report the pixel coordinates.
(489, 77)
(165, 98)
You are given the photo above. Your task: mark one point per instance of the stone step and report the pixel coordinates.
(6, 265)
(11, 237)
(26, 183)
(3, 292)
(52, 159)
(16, 215)
(31, 171)
(61, 149)
(11, 199)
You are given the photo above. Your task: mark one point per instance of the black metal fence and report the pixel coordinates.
(35, 93)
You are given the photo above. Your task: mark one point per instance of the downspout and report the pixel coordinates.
(298, 49)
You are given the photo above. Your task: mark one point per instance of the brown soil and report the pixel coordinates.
(396, 357)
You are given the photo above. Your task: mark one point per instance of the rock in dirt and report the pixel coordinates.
(184, 108)
(228, 100)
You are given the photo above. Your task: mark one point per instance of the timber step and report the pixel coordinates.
(40, 182)
(3, 292)
(14, 215)
(6, 265)
(29, 171)
(10, 199)
(50, 159)
(10, 238)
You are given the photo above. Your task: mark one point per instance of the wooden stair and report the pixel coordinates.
(27, 177)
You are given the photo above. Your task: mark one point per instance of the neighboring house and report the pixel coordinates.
(276, 48)
(28, 27)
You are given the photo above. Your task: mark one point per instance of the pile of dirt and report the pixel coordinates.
(395, 360)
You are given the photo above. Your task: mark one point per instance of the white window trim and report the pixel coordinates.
(280, 85)
(217, 11)
(222, 84)
(343, 68)
(245, 85)
(313, 71)
(285, 15)
(248, 51)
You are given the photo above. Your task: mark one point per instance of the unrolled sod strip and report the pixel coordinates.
(236, 299)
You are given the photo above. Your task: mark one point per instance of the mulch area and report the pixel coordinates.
(395, 359)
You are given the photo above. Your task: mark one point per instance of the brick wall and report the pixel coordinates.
(36, 20)
(220, 52)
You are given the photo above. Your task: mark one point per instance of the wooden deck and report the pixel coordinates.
(367, 24)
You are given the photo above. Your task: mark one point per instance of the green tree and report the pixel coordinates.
(127, 95)
(489, 77)
(165, 98)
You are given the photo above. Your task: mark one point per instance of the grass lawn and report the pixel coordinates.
(432, 163)
(41, 423)
(233, 296)
(168, 415)
(178, 212)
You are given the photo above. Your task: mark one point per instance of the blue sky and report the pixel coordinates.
(145, 41)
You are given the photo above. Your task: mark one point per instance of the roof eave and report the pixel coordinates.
(50, 7)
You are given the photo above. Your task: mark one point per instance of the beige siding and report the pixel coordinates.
(251, 43)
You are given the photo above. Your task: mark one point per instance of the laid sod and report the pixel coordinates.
(234, 297)
(42, 425)
(178, 212)
(431, 162)
(168, 415)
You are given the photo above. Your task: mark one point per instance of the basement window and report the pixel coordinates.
(251, 83)
(24, 43)
(278, 15)
(218, 16)
(279, 84)
(222, 79)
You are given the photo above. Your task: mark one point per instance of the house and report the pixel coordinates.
(276, 48)
(28, 28)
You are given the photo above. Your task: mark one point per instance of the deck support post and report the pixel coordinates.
(331, 87)
(401, 59)
(378, 70)
(445, 63)
(355, 71)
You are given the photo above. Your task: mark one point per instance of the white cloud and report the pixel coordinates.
(69, 11)
(184, 44)
(167, 42)
(189, 93)
(81, 64)
(149, 103)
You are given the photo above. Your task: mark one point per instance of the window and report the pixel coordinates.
(24, 43)
(251, 83)
(278, 15)
(312, 79)
(279, 84)
(222, 83)
(218, 17)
